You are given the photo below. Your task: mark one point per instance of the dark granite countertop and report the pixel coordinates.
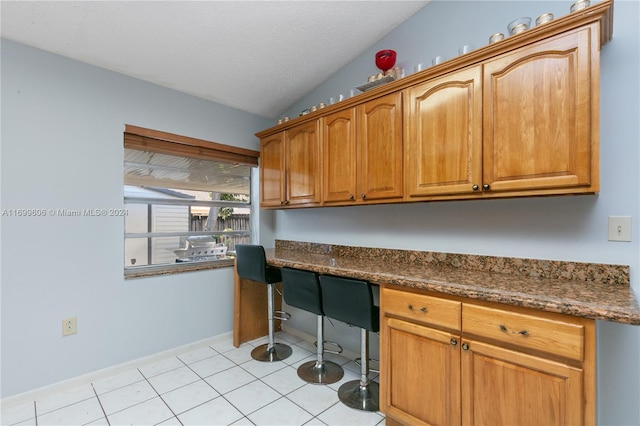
(596, 291)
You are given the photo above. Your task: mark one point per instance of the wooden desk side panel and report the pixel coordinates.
(250, 319)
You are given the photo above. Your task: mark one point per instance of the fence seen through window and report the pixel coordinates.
(168, 226)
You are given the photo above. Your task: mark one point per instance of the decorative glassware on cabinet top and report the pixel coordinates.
(579, 5)
(519, 25)
(385, 60)
(544, 18)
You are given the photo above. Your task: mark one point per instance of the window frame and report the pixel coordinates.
(149, 140)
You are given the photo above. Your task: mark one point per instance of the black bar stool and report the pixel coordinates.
(251, 264)
(351, 301)
(301, 289)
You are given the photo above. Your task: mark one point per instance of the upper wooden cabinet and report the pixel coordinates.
(540, 116)
(528, 127)
(516, 118)
(290, 167)
(443, 129)
(340, 156)
(379, 136)
(272, 171)
(363, 153)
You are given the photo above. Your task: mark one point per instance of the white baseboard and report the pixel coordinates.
(43, 392)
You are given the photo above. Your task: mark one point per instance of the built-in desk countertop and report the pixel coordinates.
(595, 291)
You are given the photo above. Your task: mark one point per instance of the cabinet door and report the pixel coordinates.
(540, 116)
(379, 136)
(420, 377)
(339, 157)
(303, 164)
(443, 135)
(504, 387)
(272, 172)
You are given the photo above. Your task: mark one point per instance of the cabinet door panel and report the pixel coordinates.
(339, 143)
(303, 164)
(444, 135)
(423, 375)
(379, 136)
(538, 117)
(272, 190)
(503, 387)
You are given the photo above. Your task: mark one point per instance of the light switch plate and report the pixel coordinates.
(619, 228)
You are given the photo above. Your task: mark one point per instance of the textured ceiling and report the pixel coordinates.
(256, 56)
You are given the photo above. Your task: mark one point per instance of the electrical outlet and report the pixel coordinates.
(69, 326)
(619, 228)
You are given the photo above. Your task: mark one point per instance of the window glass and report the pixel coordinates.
(168, 226)
(188, 201)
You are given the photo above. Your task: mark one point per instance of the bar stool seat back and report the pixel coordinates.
(351, 301)
(251, 264)
(301, 289)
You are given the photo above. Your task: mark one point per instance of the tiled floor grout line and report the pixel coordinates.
(130, 406)
(160, 396)
(260, 379)
(244, 416)
(301, 385)
(144, 378)
(204, 379)
(285, 397)
(209, 384)
(57, 408)
(101, 406)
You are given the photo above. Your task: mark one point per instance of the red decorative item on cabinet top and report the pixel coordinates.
(385, 59)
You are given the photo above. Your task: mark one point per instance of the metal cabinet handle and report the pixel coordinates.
(352, 197)
(411, 308)
(465, 347)
(486, 187)
(475, 187)
(521, 332)
(363, 195)
(453, 342)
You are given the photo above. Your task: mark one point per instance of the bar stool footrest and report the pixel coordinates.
(331, 351)
(358, 361)
(281, 315)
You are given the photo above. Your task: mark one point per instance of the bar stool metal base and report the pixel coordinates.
(364, 398)
(326, 373)
(279, 352)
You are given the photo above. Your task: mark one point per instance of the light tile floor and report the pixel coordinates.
(211, 385)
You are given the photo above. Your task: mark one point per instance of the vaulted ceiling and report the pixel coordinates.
(256, 56)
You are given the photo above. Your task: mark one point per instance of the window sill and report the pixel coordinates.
(180, 268)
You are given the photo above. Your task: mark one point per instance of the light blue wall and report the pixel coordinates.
(62, 147)
(567, 228)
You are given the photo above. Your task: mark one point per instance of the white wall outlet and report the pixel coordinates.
(69, 326)
(619, 228)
